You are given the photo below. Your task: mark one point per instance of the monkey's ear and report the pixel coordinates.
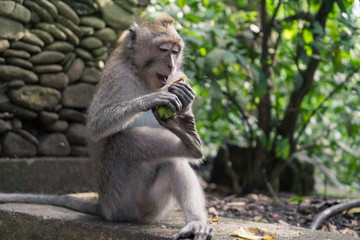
(132, 36)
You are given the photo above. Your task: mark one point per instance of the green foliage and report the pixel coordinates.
(234, 73)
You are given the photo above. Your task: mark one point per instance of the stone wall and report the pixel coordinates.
(51, 56)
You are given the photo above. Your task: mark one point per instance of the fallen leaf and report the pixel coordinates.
(354, 210)
(253, 233)
(215, 218)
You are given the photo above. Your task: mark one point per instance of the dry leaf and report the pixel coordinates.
(354, 210)
(215, 218)
(253, 233)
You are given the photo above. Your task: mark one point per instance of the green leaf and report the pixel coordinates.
(259, 80)
(282, 149)
(341, 5)
(308, 36)
(336, 59)
(182, 3)
(297, 199)
(262, 137)
(229, 58)
(288, 34)
(213, 59)
(298, 81)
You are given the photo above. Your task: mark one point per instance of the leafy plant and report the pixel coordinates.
(277, 77)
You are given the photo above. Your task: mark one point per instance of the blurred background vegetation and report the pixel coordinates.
(280, 78)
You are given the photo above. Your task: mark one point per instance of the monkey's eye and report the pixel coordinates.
(176, 49)
(164, 47)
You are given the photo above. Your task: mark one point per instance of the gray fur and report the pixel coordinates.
(142, 162)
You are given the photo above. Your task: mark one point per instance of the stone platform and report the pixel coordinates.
(30, 222)
(60, 175)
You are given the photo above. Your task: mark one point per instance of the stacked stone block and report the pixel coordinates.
(51, 56)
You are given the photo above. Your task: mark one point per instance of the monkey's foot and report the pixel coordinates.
(196, 231)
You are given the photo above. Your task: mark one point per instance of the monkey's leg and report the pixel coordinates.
(187, 190)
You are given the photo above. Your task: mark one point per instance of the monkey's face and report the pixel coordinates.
(162, 64)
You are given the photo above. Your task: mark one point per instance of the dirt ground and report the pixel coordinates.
(298, 212)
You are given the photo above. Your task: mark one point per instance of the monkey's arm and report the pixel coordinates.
(183, 123)
(105, 119)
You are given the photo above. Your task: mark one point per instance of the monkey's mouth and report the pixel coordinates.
(162, 78)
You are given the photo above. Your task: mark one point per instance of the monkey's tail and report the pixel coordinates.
(73, 203)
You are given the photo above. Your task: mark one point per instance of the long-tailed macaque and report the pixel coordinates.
(143, 161)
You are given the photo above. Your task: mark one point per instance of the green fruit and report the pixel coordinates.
(164, 112)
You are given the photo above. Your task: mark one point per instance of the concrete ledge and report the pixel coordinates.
(45, 175)
(30, 221)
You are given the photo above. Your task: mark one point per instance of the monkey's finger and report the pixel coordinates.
(185, 88)
(170, 100)
(185, 100)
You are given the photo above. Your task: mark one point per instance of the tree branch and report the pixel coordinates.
(300, 15)
(288, 124)
(244, 116)
(314, 111)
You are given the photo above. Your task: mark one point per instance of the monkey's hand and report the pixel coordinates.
(153, 100)
(195, 230)
(186, 95)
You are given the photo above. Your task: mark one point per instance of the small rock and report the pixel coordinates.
(91, 75)
(5, 126)
(48, 117)
(45, 36)
(15, 84)
(16, 53)
(79, 151)
(72, 115)
(54, 145)
(19, 62)
(92, 22)
(16, 124)
(69, 24)
(4, 44)
(50, 68)
(76, 134)
(18, 111)
(49, 7)
(8, 72)
(71, 37)
(28, 136)
(91, 43)
(57, 80)
(14, 145)
(106, 34)
(102, 57)
(47, 57)
(52, 29)
(99, 51)
(87, 31)
(60, 46)
(75, 70)
(66, 11)
(35, 97)
(32, 38)
(35, 18)
(11, 29)
(84, 54)
(114, 15)
(81, 8)
(31, 48)
(57, 126)
(78, 95)
(43, 13)
(15, 11)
